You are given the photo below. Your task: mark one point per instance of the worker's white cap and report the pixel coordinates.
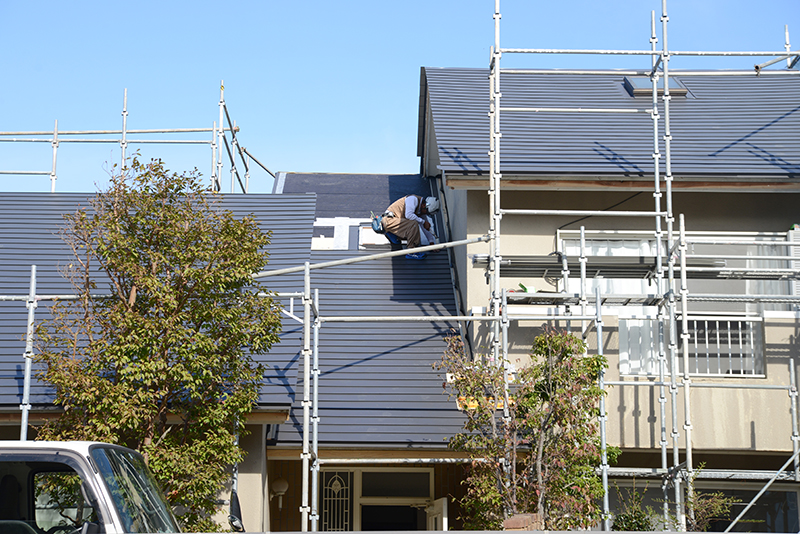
(432, 204)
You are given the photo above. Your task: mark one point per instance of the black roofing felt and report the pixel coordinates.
(377, 386)
(29, 223)
(734, 126)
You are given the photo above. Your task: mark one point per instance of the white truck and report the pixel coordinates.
(49, 487)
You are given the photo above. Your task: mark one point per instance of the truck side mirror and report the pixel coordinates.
(235, 516)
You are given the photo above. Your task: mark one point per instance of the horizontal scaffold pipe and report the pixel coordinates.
(76, 297)
(91, 140)
(50, 297)
(707, 385)
(116, 132)
(576, 110)
(680, 73)
(446, 318)
(739, 385)
(581, 213)
(743, 298)
(637, 383)
(744, 270)
(740, 257)
(723, 318)
(588, 51)
(26, 173)
(691, 241)
(395, 460)
(359, 259)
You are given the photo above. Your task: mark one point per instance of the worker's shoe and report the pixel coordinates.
(416, 256)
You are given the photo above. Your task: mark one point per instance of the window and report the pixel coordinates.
(725, 337)
(138, 499)
(775, 511)
(60, 503)
(337, 501)
(643, 86)
(724, 345)
(718, 345)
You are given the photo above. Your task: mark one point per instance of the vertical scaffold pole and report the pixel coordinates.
(306, 456)
(583, 261)
(601, 382)
(315, 417)
(793, 409)
(54, 142)
(214, 156)
(247, 174)
(123, 143)
(497, 306)
(220, 134)
(233, 157)
(787, 46)
(494, 188)
(673, 341)
(687, 382)
(660, 289)
(26, 388)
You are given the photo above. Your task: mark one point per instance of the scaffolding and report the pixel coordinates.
(674, 250)
(671, 267)
(219, 138)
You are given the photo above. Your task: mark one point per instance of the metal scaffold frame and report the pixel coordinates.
(670, 278)
(217, 141)
(668, 314)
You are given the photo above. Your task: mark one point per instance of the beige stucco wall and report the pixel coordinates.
(252, 480)
(252, 483)
(456, 201)
(728, 419)
(736, 420)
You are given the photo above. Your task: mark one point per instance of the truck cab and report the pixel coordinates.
(78, 487)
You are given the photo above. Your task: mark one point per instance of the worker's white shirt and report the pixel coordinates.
(426, 237)
(411, 206)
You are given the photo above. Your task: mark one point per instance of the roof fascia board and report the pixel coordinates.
(626, 183)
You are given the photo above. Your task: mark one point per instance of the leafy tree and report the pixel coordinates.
(535, 444)
(156, 352)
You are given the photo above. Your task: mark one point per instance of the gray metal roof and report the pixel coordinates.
(743, 127)
(29, 223)
(377, 384)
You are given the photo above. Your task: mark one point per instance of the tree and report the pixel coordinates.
(535, 444)
(156, 352)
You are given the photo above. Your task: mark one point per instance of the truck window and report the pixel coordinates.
(136, 496)
(43, 497)
(60, 505)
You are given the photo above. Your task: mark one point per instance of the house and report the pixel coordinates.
(704, 374)
(29, 227)
(674, 232)
(383, 420)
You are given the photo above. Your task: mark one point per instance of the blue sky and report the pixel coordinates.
(315, 86)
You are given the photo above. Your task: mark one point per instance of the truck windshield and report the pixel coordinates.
(139, 502)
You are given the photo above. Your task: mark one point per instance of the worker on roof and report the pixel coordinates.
(409, 218)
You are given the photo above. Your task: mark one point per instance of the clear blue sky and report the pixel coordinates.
(314, 85)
